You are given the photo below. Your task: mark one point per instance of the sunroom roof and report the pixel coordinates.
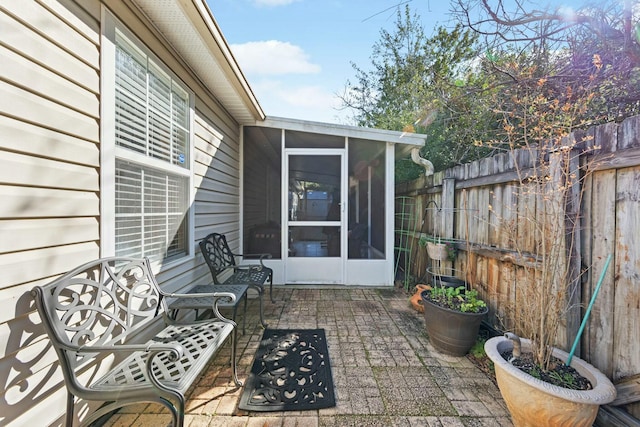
(411, 139)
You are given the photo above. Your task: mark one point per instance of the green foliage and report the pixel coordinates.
(406, 170)
(452, 251)
(566, 379)
(416, 84)
(477, 350)
(560, 379)
(458, 298)
(455, 87)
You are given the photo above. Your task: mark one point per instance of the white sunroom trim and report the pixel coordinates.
(413, 139)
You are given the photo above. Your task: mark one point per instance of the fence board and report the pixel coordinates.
(473, 225)
(509, 213)
(629, 133)
(521, 280)
(586, 241)
(492, 294)
(495, 215)
(506, 296)
(448, 203)
(627, 295)
(482, 277)
(526, 210)
(603, 229)
(482, 215)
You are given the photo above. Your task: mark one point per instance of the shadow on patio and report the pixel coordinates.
(385, 371)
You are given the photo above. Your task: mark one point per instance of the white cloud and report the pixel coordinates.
(273, 57)
(279, 98)
(273, 3)
(309, 97)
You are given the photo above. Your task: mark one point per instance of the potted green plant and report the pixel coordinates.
(452, 318)
(540, 383)
(532, 394)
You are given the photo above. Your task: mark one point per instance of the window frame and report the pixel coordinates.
(110, 152)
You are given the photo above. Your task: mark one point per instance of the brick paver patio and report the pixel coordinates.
(385, 371)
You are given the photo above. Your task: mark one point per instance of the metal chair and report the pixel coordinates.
(226, 270)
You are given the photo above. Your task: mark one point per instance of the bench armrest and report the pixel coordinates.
(177, 351)
(256, 267)
(217, 296)
(262, 257)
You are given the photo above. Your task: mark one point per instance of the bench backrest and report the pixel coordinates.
(97, 304)
(217, 254)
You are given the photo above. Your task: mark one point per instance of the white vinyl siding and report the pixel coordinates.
(50, 175)
(58, 153)
(152, 166)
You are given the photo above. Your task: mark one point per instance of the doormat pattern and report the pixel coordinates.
(291, 372)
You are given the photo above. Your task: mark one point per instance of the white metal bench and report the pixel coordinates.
(99, 309)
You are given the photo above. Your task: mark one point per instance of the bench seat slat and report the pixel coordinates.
(201, 341)
(250, 276)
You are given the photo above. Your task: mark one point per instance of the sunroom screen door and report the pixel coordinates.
(315, 216)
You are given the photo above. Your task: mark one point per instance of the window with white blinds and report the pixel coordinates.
(152, 137)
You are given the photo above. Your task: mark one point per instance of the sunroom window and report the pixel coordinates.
(152, 164)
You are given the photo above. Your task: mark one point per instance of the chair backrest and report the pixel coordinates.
(217, 254)
(97, 304)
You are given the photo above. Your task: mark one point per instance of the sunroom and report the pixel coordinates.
(318, 198)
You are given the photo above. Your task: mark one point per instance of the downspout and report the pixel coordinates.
(421, 161)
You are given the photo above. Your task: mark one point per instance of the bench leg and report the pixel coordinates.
(178, 413)
(261, 300)
(70, 406)
(244, 316)
(234, 365)
(271, 288)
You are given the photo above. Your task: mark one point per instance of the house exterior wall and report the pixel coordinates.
(50, 147)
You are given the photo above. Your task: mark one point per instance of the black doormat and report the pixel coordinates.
(291, 372)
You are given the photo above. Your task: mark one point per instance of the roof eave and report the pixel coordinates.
(190, 28)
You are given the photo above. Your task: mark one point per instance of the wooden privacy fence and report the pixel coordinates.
(481, 208)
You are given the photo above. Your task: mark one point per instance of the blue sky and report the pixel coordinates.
(297, 54)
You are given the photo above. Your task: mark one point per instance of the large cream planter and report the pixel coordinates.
(535, 403)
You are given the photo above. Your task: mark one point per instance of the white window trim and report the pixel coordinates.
(108, 149)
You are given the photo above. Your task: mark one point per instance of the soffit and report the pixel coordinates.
(189, 27)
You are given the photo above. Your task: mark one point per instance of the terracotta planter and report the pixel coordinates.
(416, 298)
(451, 332)
(534, 403)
